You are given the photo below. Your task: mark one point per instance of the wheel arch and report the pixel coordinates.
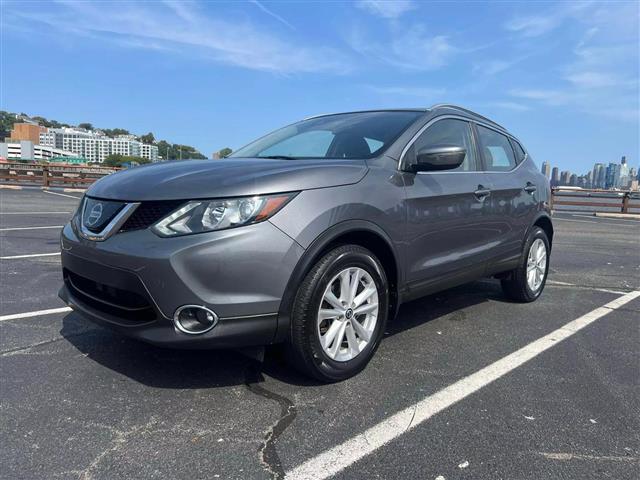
(544, 222)
(357, 232)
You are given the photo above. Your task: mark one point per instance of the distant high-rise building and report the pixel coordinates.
(546, 169)
(573, 180)
(583, 181)
(623, 181)
(598, 176)
(624, 160)
(565, 176)
(555, 177)
(612, 179)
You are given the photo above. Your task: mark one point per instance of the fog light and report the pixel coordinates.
(194, 319)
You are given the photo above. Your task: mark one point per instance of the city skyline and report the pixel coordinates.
(611, 176)
(563, 77)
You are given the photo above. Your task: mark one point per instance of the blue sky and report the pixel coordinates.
(562, 76)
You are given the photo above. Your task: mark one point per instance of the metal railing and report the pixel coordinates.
(562, 199)
(49, 175)
(594, 201)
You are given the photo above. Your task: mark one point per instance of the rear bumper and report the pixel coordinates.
(133, 283)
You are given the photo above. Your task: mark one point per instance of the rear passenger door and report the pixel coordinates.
(513, 194)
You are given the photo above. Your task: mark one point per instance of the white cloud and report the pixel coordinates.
(542, 23)
(533, 26)
(184, 28)
(602, 76)
(550, 97)
(386, 8)
(408, 91)
(261, 6)
(516, 107)
(590, 79)
(410, 48)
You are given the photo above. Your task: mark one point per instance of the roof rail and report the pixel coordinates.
(466, 110)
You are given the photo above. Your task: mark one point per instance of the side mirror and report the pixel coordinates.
(439, 157)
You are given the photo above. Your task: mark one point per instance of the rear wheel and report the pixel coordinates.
(339, 314)
(525, 284)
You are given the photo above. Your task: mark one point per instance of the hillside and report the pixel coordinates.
(166, 149)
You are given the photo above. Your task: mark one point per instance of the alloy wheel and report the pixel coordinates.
(348, 314)
(536, 264)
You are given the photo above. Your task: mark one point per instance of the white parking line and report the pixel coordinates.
(33, 255)
(341, 456)
(572, 285)
(61, 194)
(28, 228)
(17, 316)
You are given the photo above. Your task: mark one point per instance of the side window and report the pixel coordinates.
(519, 151)
(496, 150)
(449, 132)
(314, 143)
(374, 145)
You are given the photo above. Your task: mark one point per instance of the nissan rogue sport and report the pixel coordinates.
(311, 236)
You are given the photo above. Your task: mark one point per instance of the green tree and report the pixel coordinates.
(148, 138)
(225, 152)
(86, 126)
(172, 151)
(114, 132)
(117, 160)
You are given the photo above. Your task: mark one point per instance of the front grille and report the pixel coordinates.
(109, 299)
(149, 213)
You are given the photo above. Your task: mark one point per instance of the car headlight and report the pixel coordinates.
(209, 215)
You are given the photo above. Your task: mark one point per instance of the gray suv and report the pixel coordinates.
(311, 236)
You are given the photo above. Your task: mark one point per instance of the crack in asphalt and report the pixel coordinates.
(23, 350)
(120, 438)
(267, 452)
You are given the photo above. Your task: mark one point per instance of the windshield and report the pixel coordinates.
(346, 135)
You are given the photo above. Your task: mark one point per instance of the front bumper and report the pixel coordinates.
(134, 281)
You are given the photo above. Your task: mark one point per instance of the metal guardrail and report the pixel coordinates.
(48, 175)
(562, 199)
(595, 201)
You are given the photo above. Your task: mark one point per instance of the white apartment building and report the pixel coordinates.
(95, 146)
(26, 149)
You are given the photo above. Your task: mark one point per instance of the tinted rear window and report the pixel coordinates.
(519, 151)
(496, 150)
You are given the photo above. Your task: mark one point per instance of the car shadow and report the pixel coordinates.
(197, 369)
(448, 302)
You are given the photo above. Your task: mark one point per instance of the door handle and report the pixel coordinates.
(481, 193)
(530, 187)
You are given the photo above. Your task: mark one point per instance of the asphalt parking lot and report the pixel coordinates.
(78, 401)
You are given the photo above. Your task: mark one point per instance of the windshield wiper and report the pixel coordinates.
(279, 157)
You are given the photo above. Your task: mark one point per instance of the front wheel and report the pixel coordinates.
(339, 314)
(525, 284)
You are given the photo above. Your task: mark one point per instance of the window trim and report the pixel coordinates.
(473, 123)
(515, 142)
(479, 160)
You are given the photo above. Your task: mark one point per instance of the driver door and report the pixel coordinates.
(448, 229)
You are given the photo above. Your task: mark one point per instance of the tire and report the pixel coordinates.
(516, 286)
(305, 346)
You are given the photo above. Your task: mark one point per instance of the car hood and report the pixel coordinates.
(192, 179)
